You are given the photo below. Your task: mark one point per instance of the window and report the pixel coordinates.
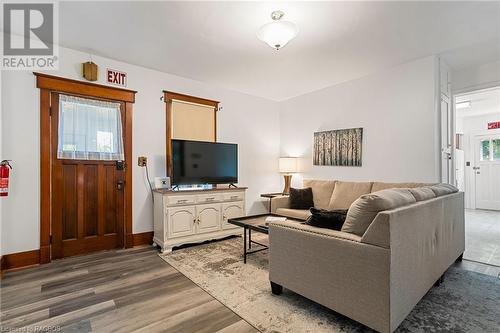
(485, 150)
(490, 149)
(495, 145)
(89, 129)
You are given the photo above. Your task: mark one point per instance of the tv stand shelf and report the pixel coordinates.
(197, 215)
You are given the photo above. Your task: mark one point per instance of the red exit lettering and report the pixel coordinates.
(116, 77)
(494, 125)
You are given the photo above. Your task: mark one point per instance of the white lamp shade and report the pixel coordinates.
(277, 33)
(288, 164)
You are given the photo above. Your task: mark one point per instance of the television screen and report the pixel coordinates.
(196, 162)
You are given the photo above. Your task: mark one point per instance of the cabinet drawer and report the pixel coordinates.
(237, 196)
(208, 198)
(181, 200)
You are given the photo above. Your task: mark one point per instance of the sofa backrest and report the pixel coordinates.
(345, 193)
(372, 206)
(322, 191)
(326, 195)
(378, 186)
(379, 231)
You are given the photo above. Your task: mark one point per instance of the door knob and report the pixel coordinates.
(119, 185)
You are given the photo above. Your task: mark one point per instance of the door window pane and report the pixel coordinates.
(485, 150)
(89, 129)
(495, 145)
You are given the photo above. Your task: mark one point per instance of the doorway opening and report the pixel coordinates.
(477, 171)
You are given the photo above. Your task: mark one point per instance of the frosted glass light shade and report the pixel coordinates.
(278, 33)
(288, 164)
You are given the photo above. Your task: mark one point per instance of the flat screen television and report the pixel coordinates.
(196, 162)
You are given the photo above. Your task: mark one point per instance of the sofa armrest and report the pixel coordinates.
(332, 268)
(424, 239)
(281, 201)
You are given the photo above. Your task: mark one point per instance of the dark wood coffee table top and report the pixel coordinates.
(257, 222)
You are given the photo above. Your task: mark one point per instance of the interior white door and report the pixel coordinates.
(232, 210)
(487, 172)
(181, 221)
(208, 217)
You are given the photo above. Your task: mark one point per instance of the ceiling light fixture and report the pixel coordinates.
(278, 33)
(463, 105)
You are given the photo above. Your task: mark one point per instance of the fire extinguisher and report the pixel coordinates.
(4, 178)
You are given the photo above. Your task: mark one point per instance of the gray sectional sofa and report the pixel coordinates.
(393, 247)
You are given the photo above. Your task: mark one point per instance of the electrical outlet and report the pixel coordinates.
(142, 161)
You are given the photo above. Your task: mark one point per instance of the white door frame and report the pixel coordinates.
(470, 186)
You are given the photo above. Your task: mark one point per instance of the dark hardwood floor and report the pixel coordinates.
(112, 291)
(119, 291)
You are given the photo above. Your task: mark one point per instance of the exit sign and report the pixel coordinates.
(494, 125)
(116, 77)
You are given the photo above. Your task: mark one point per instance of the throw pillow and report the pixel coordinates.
(301, 198)
(330, 219)
(363, 210)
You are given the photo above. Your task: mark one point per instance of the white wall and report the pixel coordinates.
(396, 109)
(478, 77)
(251, 122)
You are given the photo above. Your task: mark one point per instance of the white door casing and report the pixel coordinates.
(446, 140)
(447, 126)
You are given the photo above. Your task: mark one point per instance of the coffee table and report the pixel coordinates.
(256, 223)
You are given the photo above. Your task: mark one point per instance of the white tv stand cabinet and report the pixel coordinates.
(192, 216)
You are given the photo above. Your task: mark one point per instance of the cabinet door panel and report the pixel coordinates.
(208, 218)
(232, 210)
(181, 221)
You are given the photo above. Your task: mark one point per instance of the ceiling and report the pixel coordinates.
(215, 42)
(481, 103)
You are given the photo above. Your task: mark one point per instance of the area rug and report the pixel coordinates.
(465, 302)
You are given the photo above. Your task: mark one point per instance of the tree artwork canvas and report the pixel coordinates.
(338, 147)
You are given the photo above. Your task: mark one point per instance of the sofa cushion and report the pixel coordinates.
(422, 193)
(322, 191)
(301, 214)
(443, 189)
(301, 198)
(330, 219)
(345, 193)
(378, 186)
(364, 209)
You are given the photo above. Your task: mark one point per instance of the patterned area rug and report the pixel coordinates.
(465, 302)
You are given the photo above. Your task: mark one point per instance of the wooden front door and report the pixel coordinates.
(88, 204)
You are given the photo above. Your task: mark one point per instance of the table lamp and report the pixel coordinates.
(287, 166)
